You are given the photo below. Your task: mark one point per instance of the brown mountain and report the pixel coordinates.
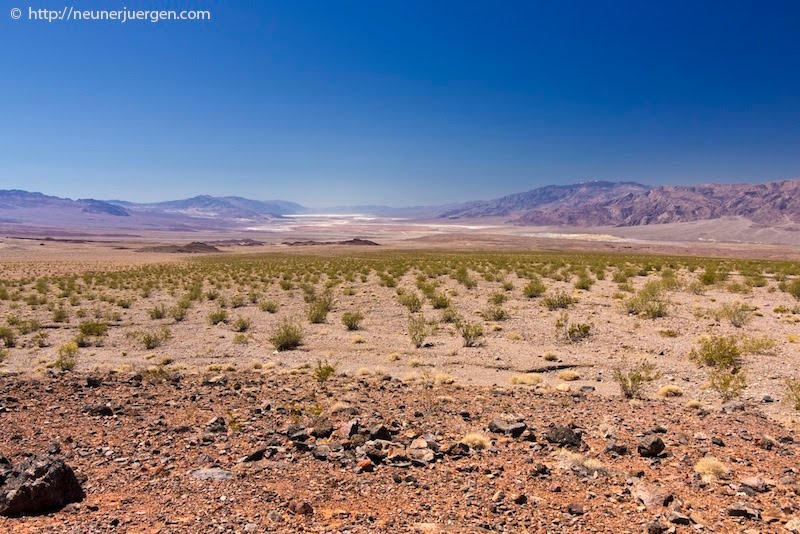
(632, 204)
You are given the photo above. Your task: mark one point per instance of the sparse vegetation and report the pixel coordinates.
(288, 335)
(632, 380)
(352, 319)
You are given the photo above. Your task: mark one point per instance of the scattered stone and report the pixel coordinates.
(300, 507)
(515, 430)
(757, 484)
(742, 509)
(99, 410)
(217, 425)
(616, 449)
(563, 436)
(37, 485)
(575, 509)
(650, 447)
(214, 474)
(677, 518)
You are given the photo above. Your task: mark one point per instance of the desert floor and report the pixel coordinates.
(170, 341)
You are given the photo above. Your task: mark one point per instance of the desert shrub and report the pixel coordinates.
(648, 301)
(471, 333)
(757, 345)
(287, 336)
(439, 301)
(269, 306)
(323, 371)
(237, 301)
(495, 313)
(632, 381)
(417, 330)
(317, 312)
(218, 316)
(352, 319)
(793, 288)
(558, 300)
(728, 382)
(178, 313)
(718, 352)
(152, 340)
(534, 288)
(158, 312)
(572, 332)
(242, 324)
(411, 301)
(497, 298)
(711, 467)
(584, 282)
(450, 315)
(60, 315)
(93, 329)
(738, 314)
(7, 336)
(66, 356)
(793, 393)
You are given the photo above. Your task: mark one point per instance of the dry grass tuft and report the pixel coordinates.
(476, 441)
(710, 467)
(527, 379)
(670, 390)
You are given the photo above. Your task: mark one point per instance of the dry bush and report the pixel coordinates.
(632, 381)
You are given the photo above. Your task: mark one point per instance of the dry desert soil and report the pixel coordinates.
(424, 386)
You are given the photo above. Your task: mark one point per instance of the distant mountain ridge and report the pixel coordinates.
(631, 204)
(586, 204)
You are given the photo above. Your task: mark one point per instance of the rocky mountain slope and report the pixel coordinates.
(631, 204)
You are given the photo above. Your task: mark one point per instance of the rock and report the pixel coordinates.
(575, 509)
(733, 406)
(793, 525)
(37, 485)
(300, 507)
(616, 449)
(655, 527)
(93, 382)
(677, 518)
(742, 509)
(457, 449)
(767, 399)
(365, 466)
(651, 496)
(255, 456)
(322, 429)
(217, 425)
(214, 474)
(380, 432)
(755, 483)
(650, 447)
(99, 410)
(347, 429)
(321, 452)
(564, 436)
(518, 498)
(515, 430)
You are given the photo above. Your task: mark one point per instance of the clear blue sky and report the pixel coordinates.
(398, 102)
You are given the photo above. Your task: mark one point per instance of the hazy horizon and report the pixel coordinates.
(367, 103)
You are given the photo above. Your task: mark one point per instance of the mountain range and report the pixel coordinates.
(586, 204)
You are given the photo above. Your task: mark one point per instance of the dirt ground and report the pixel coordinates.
(137, 467)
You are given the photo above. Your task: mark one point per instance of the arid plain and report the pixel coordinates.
(484, 381)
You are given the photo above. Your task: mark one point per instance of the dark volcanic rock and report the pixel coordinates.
(37, 485)
(651, 447)
(564, 436)
(100, 410)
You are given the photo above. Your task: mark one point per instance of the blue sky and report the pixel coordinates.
(399, 103)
